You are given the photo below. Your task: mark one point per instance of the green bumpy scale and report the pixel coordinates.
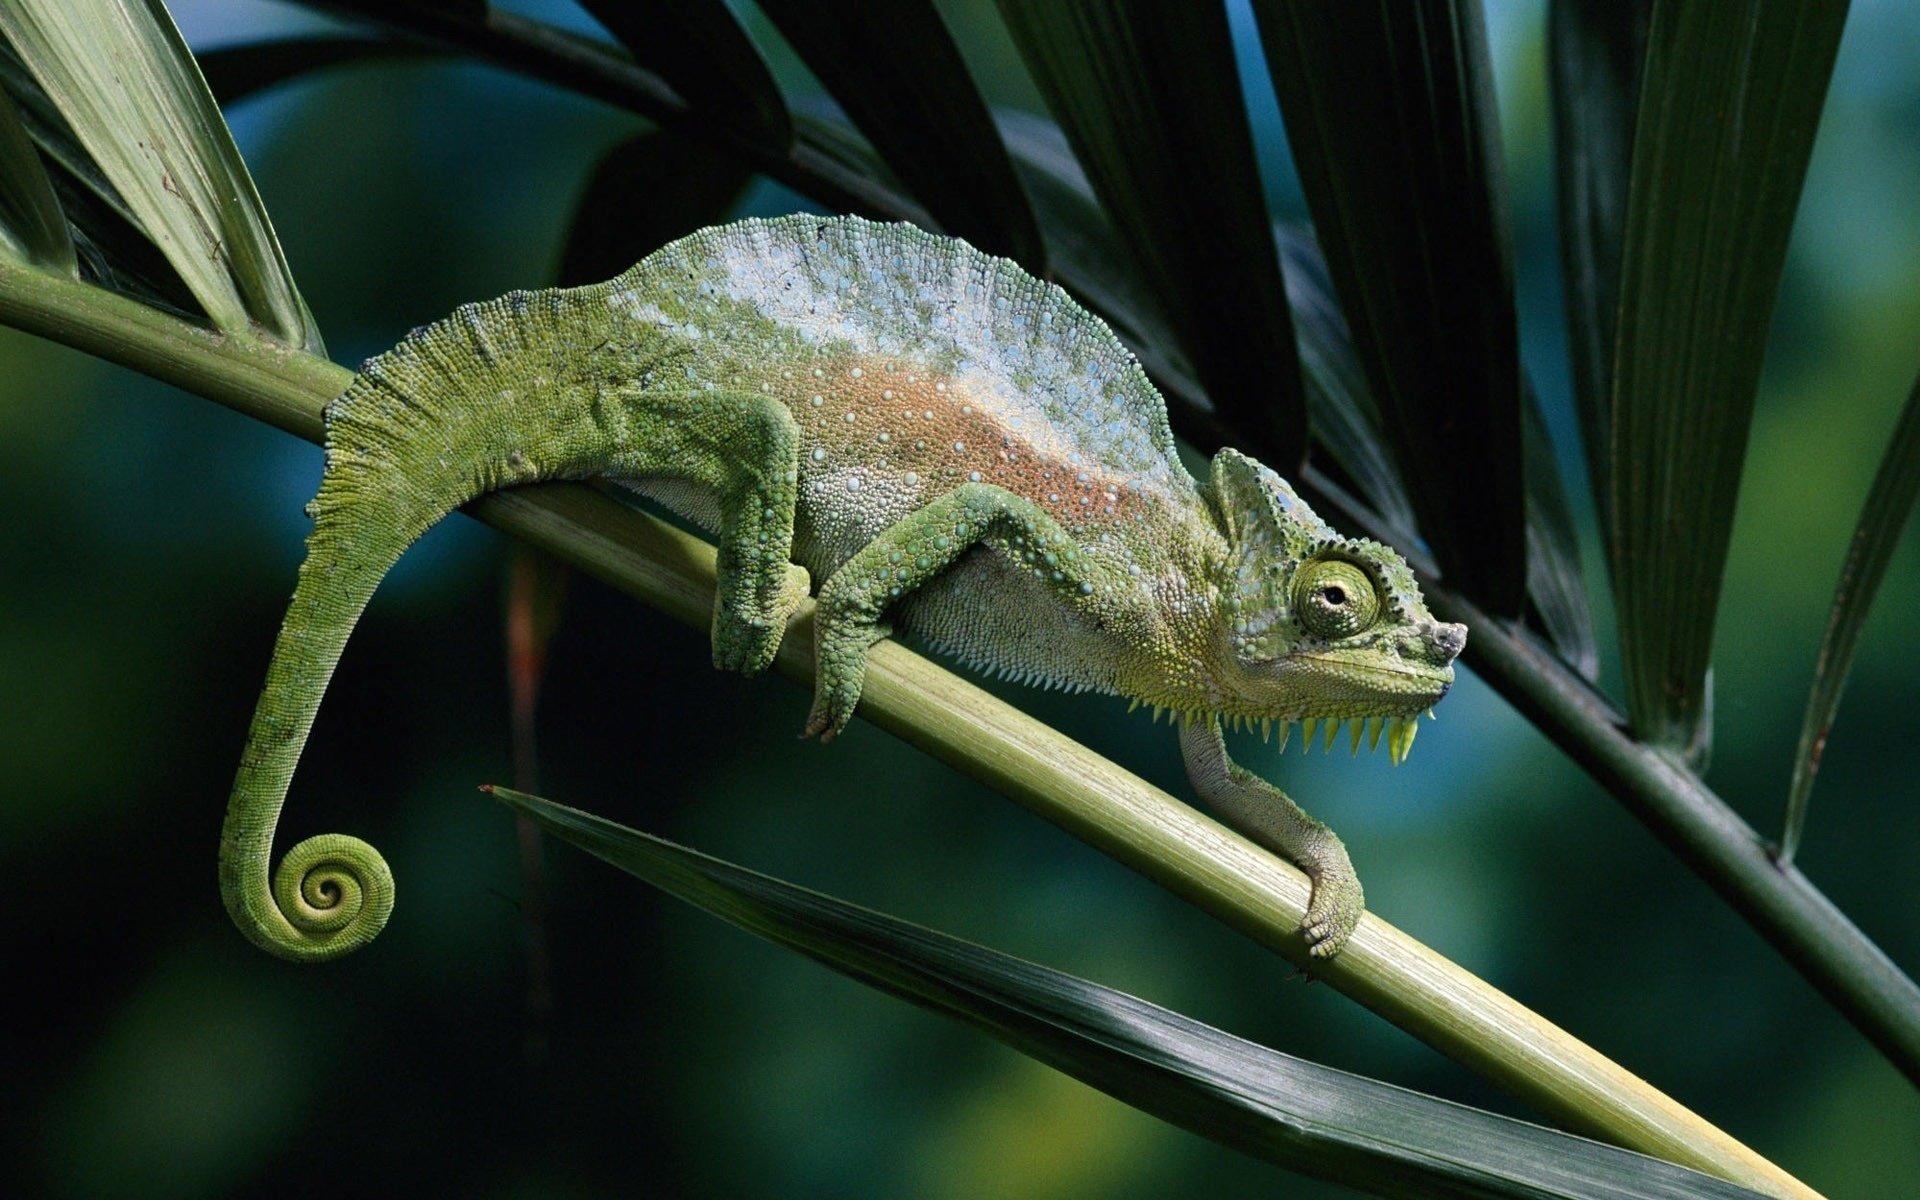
(949, 446)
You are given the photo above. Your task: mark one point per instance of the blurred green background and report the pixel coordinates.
(151, 543)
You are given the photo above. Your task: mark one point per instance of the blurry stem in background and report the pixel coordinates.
(536, 588)
(1788, 911)
(931, 708)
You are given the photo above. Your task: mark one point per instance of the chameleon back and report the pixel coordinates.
(913, 364)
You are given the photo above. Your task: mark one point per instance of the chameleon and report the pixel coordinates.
(949, 446)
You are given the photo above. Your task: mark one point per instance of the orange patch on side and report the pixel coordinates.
(896, 416)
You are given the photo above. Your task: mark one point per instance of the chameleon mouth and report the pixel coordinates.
(1400, 732)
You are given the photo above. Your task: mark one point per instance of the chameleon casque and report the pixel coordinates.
(946, 444)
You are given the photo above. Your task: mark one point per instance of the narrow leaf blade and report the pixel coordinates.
(1883, 519)
(120, 74)
(699, 47)
(1303, 1116)
(1389, 113)
(645, 192)
(32, 227)
(1595, 51)
(1149, 97)
(897, 72)
(1731, 97)
(1087, 254)
(1556, 586)
(1346, 420)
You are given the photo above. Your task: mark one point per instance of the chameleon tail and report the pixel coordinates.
(421, 430)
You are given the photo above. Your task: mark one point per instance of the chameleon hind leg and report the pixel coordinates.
(852, 605)
(746, 449)
(1265, 813)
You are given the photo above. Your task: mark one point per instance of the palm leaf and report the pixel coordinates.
(1731, 97)
(699, 47)
(1149, 97)
(896, 71)
(1308, 1118)
(1595, 49)
(119, 73)
(33, 229)
(646, 191)
(1556, 586)
(1345, 418)
(1390, 117)
(236, 72)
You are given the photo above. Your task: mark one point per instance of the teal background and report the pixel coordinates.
(150, 542)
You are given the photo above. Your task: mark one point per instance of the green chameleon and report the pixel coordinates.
(951, 446)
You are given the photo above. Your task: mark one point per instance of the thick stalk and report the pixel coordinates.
(1171, 843)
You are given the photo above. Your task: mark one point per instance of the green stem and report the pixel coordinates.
(1169, 842)
(1853, 973)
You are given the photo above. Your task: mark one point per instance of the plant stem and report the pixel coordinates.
(1853, 973)
(1406, 982)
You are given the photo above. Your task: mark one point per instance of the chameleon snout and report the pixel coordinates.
(1433, 645)
(1448, 638)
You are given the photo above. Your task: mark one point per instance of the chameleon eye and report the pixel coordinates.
(1335, 599)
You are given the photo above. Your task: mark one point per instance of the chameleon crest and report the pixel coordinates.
(947, 445)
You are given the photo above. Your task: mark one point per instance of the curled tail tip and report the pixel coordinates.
(330, 895)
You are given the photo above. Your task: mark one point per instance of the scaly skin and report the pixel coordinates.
(948, 445)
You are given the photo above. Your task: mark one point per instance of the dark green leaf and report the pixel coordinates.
(1595, 49)
(1303, 1116)
(1088, 257)
(32, 227)
(896, 71)
(1728, 107)
(236, 72)
(1390, 117)
(699, 47)
(1149, 97)
(121, 76)
(1888, 508)
(1345, 418)
(1556, 586)
(647, 191)
(112, 250)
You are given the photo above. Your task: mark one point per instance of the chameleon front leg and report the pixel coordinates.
(854, 600)
(1264, 813)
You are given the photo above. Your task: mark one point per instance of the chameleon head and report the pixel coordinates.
(1315, 627)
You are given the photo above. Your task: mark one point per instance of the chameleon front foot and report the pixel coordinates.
(1333, 909)
(840, 667)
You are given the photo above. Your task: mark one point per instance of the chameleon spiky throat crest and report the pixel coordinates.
(947, 445)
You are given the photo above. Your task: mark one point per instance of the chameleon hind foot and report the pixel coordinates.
(745, 640)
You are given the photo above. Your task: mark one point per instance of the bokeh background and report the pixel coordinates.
(150, 543)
